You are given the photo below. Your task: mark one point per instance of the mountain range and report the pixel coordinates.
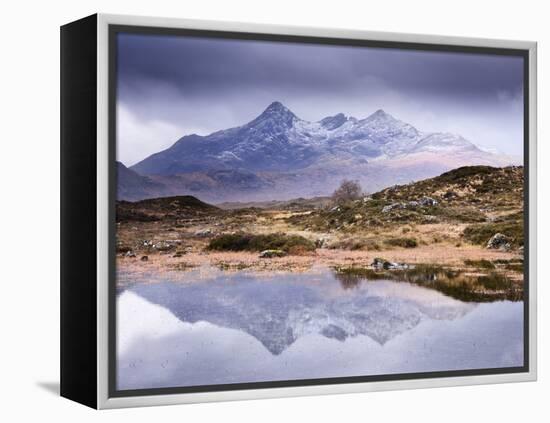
(278, 156)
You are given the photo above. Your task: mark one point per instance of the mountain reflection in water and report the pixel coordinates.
(243, 327)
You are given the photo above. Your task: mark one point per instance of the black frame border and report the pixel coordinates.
(115, 29)
(78, 211)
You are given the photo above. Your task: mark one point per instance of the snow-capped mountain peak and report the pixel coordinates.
(276, 111)
(279, 141)
(276, 107)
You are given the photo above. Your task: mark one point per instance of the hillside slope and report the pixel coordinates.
(480, 199)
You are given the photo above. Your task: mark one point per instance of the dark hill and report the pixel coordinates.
(181, 207)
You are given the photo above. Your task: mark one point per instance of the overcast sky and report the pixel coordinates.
(170, 86)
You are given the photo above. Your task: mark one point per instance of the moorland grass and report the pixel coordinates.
(482, 264)
(404, 242)
(481, 233)
(250, 242)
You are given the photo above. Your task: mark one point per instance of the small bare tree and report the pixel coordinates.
(347, 191)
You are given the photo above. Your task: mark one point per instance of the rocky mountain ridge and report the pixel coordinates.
(278, 156)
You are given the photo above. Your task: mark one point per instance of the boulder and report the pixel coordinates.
(381, 264)
(378, 263)
(272, 253)
(144, 258)
(428, 202)
(390, 207)
(321, 242)
(130, 254)
(203, 233)
(424, 201)
(400, 266)
(499, 242)
(164, 246)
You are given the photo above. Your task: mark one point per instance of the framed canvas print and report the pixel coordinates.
(253, 211)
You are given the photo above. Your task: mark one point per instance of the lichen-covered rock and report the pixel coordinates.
(378, 263)
(321, 242)
(428, 202)
(382, 264)
(390, 207)
(499, 242)
(203, 233)
(165, 246)
(413, 204)
(272, 253)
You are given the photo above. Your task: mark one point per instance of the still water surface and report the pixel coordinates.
(217, 327)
